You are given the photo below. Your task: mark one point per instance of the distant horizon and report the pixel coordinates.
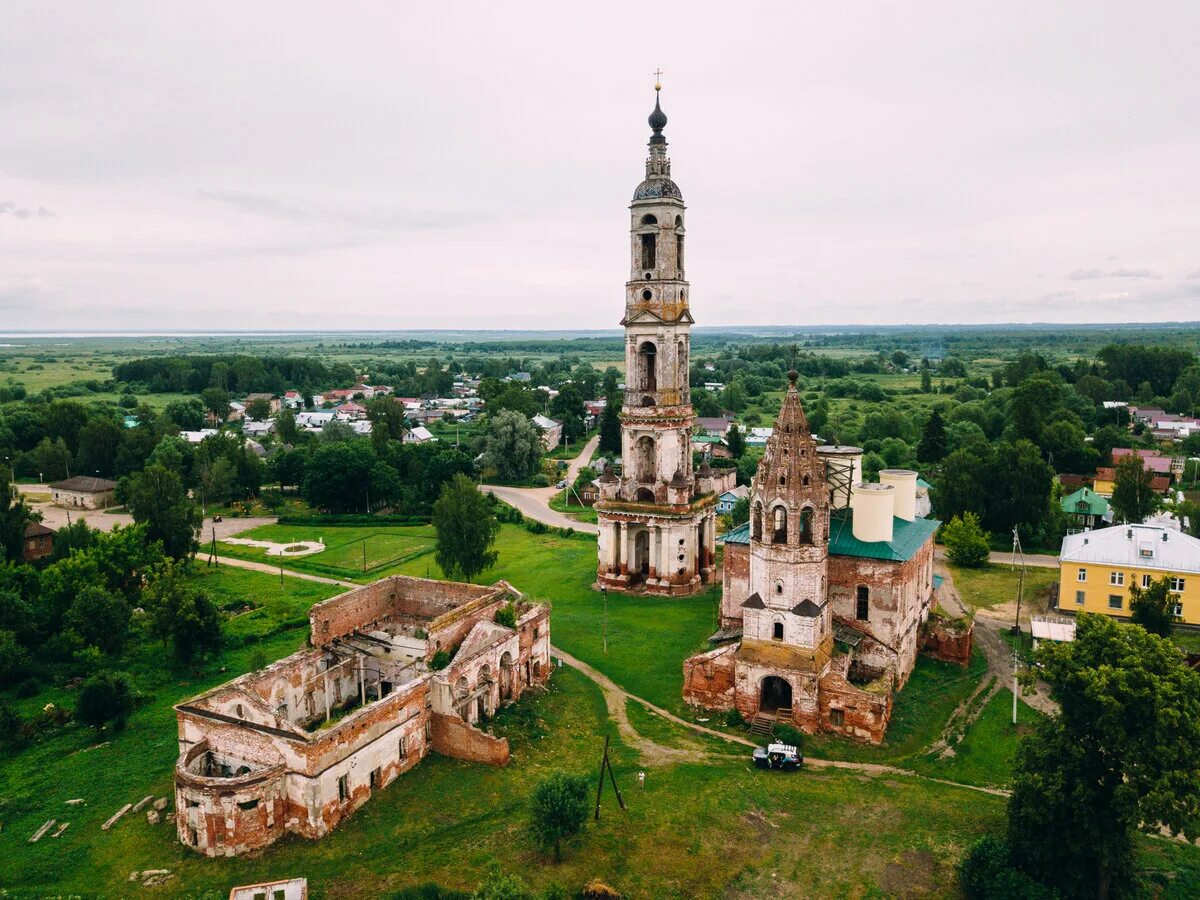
(580, 332)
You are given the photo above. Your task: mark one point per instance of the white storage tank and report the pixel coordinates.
(905, 481)
(843, 470)
(874, 506)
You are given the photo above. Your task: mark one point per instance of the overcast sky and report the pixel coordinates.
(400, 165)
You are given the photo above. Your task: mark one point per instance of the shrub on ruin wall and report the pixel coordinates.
(788, 734)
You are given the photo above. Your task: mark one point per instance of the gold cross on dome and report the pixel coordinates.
(658, 79)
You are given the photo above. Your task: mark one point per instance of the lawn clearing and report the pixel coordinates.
(359, 552)
(986, 752)
(996, 584)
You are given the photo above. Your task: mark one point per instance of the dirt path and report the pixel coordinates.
(655, 754)
(534, 503)
(999, 659)
(269, 569)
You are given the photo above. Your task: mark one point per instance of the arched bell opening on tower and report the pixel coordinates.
(647, 369)
(649, 248)
(806, 525)
(649, 219)
(779, 525)
(645, 459)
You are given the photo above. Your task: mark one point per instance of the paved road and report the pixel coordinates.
(1005, 558)
(534, 503)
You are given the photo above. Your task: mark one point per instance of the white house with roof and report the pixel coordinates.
(551, 431)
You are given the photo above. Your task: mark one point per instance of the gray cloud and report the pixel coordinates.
(8, 208)
(358, 166)
(1132, 273)
(1194, 276)
(362, 218)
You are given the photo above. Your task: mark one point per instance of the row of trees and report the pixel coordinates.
(240, 373)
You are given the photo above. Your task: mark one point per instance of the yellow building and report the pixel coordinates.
(1097, 568)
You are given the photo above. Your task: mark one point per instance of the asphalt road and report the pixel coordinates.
(534, 503)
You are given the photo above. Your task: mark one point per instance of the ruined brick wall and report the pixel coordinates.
(220, 816)
(948, 640)
(343, 614)
(735, 584)
(708, 678)
(533, 664)
(900, 596)
(455, 738)
(864, 714)
(398, 595)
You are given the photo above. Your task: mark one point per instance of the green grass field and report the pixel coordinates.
(995, 584)
(359, 552)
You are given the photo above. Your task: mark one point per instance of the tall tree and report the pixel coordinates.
(933, 444)
(1133, 495)
(559, 810)
(1153, 607)
(610, 428)
(216, 401)
(14, 516)
(568, 408)
(466, 529)
(512, 445)
(156, 497)
(735, 442)
(1121, 752)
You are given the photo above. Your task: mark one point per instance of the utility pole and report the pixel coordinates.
(1018, 552)
(604, 594)
(1014, 685)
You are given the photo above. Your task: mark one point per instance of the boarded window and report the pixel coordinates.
(862, 603)
(343, 787)
(837, 717)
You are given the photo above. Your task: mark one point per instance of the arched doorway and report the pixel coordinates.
(506, 676)
(776, 694)
(641, 554)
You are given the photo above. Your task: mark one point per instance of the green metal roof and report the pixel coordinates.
(921, 482)
(907, 538)
(1084, 502)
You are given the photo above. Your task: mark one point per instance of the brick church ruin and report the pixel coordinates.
(829, 586)
(657, 521)
(301, 744)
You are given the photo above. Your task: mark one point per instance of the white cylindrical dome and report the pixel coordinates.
(843, 470)
(905, 481)
(874, 506)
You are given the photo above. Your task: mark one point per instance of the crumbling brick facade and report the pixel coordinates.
(300, 745)
(950, 640)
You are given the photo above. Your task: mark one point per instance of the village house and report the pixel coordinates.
(350, 411)
(829, 587)
(1086, 509)
(728, 499)
(37, 543)
(298, 746)
(83, 492)
(551, 431)
(293, 399)
(418, 434)
(1098, 567)
(1106, 482)
(717, 426)
(272, 400)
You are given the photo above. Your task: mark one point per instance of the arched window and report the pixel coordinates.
(647, 370)
(806, 525)
(804, 481)
(645, 459)
(782, 480)
(779, 587)
(756, 522)
(681, 366)
(778, 631)
(862, 603)
(679, 221)
(649, 247)
(779, 525)
(649, 219)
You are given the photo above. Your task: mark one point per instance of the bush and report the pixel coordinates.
(28, 688)
(430, 891)
(966, 543)
(105, 697)
(507, 616)
(733, 719)
(559, 810)
(10, 722)
(987, 873)
(440, 660)
(788, 734)
(14, 659)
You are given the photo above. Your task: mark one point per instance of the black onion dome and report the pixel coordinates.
(658, 121)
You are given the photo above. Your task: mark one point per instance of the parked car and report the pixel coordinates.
(778, 756)
(562, 484)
